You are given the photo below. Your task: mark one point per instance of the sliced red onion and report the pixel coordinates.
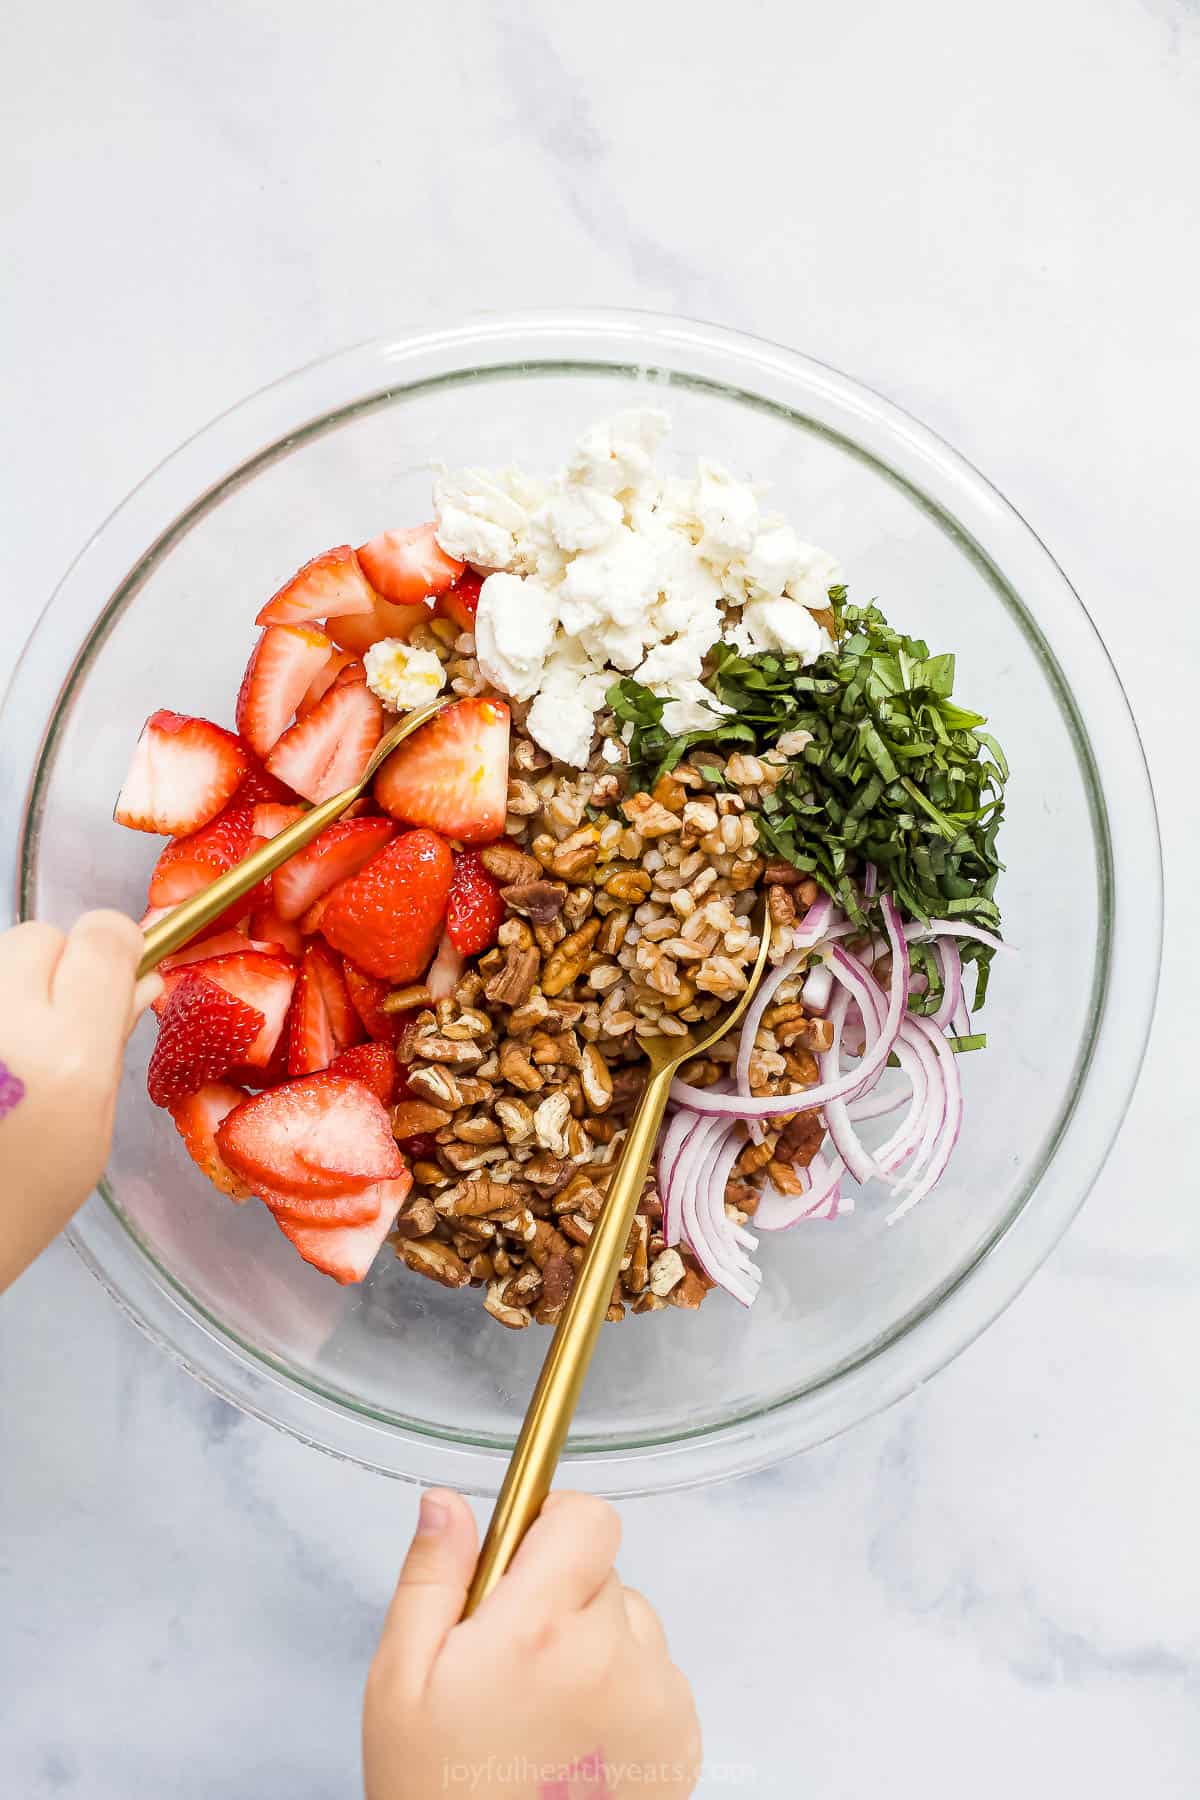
(779, 1212)
(853, 1083)
(950, 964)
(870, 880)
(950, 1125)
(846, 1142)
(711, 1235)
(678, 1129)
(960, 1019)
(876, 1105)
(926, 1101)
(915, 930)
(821, 916)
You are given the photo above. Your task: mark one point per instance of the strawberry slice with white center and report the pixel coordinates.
(461, 602)
(278, 675)
(356, 635)
(264, 982)
(192, 862)
(322, 1134)
(203, 1031)
(329, 587)
(322, 1020)
(347, 1252)
(339, 851)
(406, 566)
(269, 818)
(452, 774)
(340, 664)
(272, 932)
(196, 1119)
(329, 748)
(183, 772)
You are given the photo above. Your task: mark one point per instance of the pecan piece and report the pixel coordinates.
(547, 1050)
(416, 1118)
(437, 1260)
(538, 901)
(666, 1272)
(515, 1317)
(550, 1121)
(510, 866)
(558, 1278)
(512, 983)
(418, 1219)
(569, 959)
(483, 1198)
(649, 817)
(438, 1086)
(407, 999)
(434, 1047)
(517, 1070)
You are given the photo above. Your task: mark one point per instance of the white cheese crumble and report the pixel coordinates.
(612, 568)
(401, 676)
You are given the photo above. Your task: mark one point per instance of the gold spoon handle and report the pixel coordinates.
(556, 1395)
(199, 910)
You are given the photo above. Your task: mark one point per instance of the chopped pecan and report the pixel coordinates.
(524, 1288)
(562, 1048)
(407, 999)
(547, 1241)
(418, 1219)
(549, 1123)
(784, 1177)
(416, 1118)
(689, 1292)
(429, 1174)
(568, 960)
(612, 935)
(579, 904)
(558, 1278)
(539, 901)
(666, 1272)
(517, 1070)
(437, 1085)
(466, 1157)
(575, 858)
(637, 1274)
(615, 1313)
(434, 1047)
(628, 884)
(515, 1317)
(627, 1087)
(482, 1197)
(780, 905)
(548, 937)
(508, 865)
(437, 1260)
(649, 817)
(477, 1128)
(516, 1120)
(576, 1228)
(647, 1302)
(512, 983)
(546, 1170)
(669, 793)
(580, 1195)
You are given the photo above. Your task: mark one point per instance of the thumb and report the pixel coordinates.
(432, 1588)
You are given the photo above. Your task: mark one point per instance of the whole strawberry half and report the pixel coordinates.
(474, 909)
(189, 863)
(388, 918)
(452, 775)
(338, 852)
(407, 566)
(322, 1134)
(196, 1119)
(203, 1031)
(183, 772)
(262, 979)
(329, 587)
(281, 668)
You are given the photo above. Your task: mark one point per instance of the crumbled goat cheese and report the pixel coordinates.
(612, 567)
(402, 677)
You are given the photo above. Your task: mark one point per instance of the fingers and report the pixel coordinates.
(94, 982)
(644, 1622)
(433, 1584)
(29, 955)
(145, 994)
(564, 1561)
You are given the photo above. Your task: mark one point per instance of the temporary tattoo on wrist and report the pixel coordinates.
(12, 1090)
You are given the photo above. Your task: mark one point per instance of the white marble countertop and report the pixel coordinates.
(988, 214)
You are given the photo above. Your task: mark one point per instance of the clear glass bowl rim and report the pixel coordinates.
(142, 529)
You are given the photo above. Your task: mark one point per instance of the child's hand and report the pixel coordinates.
(67, 1005)
(560, 1687)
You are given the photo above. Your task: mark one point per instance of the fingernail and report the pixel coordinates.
(434, 1514)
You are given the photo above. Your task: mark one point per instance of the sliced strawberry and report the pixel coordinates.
(319, 1135)
(339, 852)
(259, 787)
(385, 621)
(335, 664)
(225, 943)
(268, 929)
(329, 587)
(275, 1073)
(474, 910)
(460, 603)
(262, 981)
(323, 1212)
(330, 747)
(405, 566)
(183, 772)
(388, 917)
(282, 665)
(196, 1119)
(445, 971)
(347, 1252)
(190, 863)
(270, 817)
(453, 773)
(372, 1064)
(367, 996)
(322, 1020)
(203, 1031)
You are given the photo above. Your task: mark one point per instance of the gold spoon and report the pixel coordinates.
(198, 910)
(548, 1419)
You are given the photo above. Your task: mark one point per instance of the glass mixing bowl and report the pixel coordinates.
(399, 1374)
